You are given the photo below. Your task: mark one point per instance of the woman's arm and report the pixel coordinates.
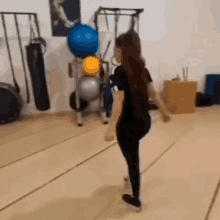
(116, 112)
(155, 96)
(117, 107)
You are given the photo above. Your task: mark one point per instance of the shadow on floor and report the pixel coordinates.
(104, 200)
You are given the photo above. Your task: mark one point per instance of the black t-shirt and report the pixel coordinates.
(119, 81)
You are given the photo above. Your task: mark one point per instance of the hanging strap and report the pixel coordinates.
(132, 23)
(106, 19)
(22, 57)
(117, 15)
(96, 26)
(37, 25)
(9, 55)
(96, 17)
(34, 39)
(32, 34)
(110, 41)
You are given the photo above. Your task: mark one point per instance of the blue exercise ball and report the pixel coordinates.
(83, 40)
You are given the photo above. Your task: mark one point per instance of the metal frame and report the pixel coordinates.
(25, 13)
(78, 62)
(20, 43)
(102, 11)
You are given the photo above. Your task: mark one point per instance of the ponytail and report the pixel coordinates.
(135, 66)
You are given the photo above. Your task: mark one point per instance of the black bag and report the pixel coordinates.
(35, 61)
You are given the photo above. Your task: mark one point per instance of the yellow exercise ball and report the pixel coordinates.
(91, 66)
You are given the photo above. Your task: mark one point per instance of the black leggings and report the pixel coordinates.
(128, 136)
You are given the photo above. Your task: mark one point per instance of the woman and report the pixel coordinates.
(130, 119)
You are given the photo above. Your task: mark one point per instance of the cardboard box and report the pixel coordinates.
(179, 97)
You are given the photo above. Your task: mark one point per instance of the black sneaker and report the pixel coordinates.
(135, 203)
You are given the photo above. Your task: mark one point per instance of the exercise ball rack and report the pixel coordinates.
(77, 62)
(75, 70)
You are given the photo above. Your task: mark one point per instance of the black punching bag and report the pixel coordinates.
(36, 67)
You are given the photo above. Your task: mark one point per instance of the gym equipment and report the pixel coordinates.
(35, 61)
(9, 54)
(211, 94)
(212, 90)
(91, 66)
(11, 103)
(76, 65)
(22, 57)
(83, 41)
(108, 98)
(117, 12)
(89, 88)
(83, 103)
(203, 99)
(107, 24)
(94, 86)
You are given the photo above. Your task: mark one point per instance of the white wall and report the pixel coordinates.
(173, 33)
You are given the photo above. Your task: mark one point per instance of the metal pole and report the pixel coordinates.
(99, 52)
(78, 112)
(115, 27)
(9, 54)
(37, 24)
(17, 13)
(22, 57)
(138, 10)
(114, 14)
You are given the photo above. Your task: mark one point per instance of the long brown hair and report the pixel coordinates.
(130, 46)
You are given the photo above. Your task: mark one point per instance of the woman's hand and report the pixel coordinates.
(166, 116)
(110, 134)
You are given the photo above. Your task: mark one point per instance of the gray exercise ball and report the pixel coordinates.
(89, 88)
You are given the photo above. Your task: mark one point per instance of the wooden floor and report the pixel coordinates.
(52, 169)
(39, 130)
